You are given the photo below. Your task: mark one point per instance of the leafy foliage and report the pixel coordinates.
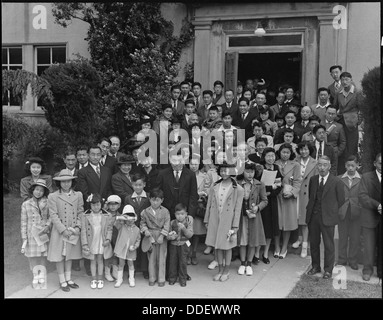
(371, 112)
(78, 112)
(133, 47)
(17, 81)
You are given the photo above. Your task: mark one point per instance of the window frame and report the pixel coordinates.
(8, 65)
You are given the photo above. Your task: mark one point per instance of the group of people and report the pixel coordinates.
(267, 172)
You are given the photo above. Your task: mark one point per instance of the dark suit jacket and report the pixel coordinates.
(138, 208)
(88, 182)
(151, 178)
(202, 112)
(233, 108)
(328, 151)
(238, 122)
(299, 125)
(111, 163)
(276, 110)
(186, 193)
(369, 198)
(332, 199)
(299, 132)
(180, 107)
(121, 185)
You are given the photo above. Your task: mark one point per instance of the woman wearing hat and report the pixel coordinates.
(65, 209)
(121, 181)
(35, 170)
(34, 216)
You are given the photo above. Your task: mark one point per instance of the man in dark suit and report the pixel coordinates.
(326, 196)
(290, 96)
(94, 178)
(185, 92)
(197, 97)
(70, 162)
(336, 86)
(106, 160)
(304, 120)
(115, 144)
(290, 119)
(178, 189)
(280, 107)
(245, 117)
(82, 157)
(203, 109)
(177, 105)
(336, 137)
(323, 148)
(370, 198)
(230, 104)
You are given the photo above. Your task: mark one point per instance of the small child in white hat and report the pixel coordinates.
(128, 240)
(113, 203)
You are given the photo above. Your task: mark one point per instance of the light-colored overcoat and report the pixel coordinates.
(219, 224)
(287, 208)
(106, 232)
(65, 211)
(303, 198)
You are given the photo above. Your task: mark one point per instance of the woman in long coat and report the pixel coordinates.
(65, 209)
(222, 217)
(270, 212)
(308, 166)
(287, 199)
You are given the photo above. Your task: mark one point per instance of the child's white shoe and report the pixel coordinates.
(120, 279)
(41, 277)
(249, 271)
(213, 265)
(100, 284)
(108, 275)
(304, 250)
(241, 270)
(93, 284)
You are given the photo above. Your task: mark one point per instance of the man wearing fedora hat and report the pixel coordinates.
(121, 181)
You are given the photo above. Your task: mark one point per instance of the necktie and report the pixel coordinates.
(98, 171)
(321, 182)
(243, 116)
(349, 182)
(336, 85)
(303, 124)
(177, 176)
(320, 149)
(102, 161)
(139, 200)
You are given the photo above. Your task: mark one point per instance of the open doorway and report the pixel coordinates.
(277, 68)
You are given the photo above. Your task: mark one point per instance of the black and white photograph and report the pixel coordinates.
(186, 154)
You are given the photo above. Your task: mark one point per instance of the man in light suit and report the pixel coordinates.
(336, 86)
(326, 197)
(370, 198)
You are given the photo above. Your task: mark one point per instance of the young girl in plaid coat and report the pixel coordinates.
(34, 216)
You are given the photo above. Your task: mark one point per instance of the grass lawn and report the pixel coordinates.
(317, 287)
(16, 267)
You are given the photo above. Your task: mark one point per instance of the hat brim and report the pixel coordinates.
(126, 162)
(64, 178)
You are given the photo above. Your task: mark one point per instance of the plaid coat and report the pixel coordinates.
(33, 214)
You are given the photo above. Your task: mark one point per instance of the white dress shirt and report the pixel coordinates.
(379, 176)
(324, 178)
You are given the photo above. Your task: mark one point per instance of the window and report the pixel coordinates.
(46, 56)
(11, 59)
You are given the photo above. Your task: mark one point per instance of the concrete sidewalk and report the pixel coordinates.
(274, 280)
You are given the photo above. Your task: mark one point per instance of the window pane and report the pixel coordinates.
(41, 69)
(15, 56)
(4, 56)
(15, 67)
(43, 56)
(253, 41)
(58, 55)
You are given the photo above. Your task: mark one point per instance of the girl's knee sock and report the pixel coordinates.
(61, 278)
(67, 275)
